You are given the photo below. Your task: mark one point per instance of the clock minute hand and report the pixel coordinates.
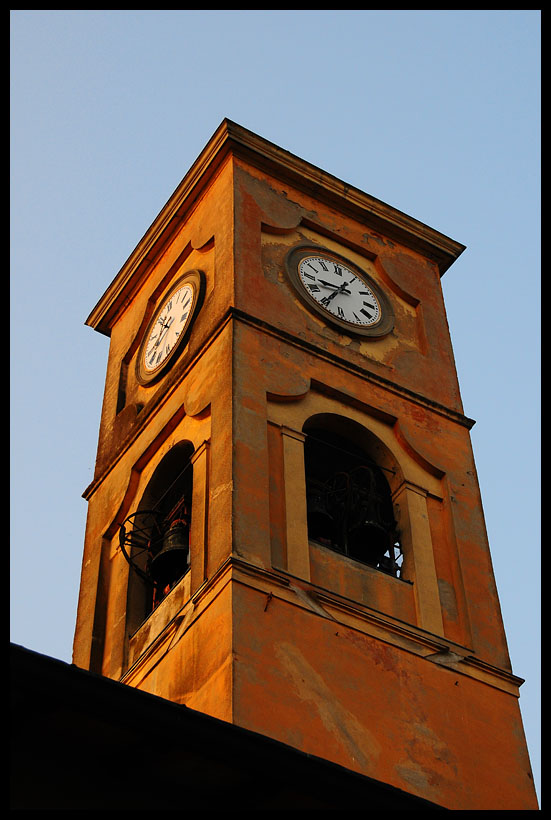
(166, 327)
(162, 333)
(340, 289)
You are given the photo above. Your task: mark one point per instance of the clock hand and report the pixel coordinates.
(162, 333)
(327, 299)
(340, 289)
(165, 328)
(331, 285)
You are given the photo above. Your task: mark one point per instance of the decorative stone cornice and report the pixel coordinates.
(231, 138)
(279, 585)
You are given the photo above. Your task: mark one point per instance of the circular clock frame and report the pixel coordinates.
(195, 279)
(384, 323)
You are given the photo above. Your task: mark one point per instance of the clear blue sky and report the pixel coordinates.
(436, 113)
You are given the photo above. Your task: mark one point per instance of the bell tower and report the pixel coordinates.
(285, 529)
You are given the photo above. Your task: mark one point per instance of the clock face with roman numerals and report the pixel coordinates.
(340, 291)
(169, 327)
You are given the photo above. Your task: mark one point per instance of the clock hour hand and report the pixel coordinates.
(162, 334)
(166, 327)
(331, 285)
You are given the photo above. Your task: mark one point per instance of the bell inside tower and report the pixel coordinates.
(155, 537)
(349, 504)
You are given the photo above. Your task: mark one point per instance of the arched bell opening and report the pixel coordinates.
(155, 536)
(348, 494)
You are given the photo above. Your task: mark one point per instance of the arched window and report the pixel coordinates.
(349, 504)
(155, 537)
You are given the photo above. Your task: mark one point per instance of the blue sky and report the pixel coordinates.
(436, 113)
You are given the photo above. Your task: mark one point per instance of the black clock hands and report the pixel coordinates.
(164, 327)
(340, 289)
(331, 285)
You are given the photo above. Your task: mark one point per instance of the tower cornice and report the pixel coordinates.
(233, 139)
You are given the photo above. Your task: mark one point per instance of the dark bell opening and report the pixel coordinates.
(368, 542)
(349, 506)
(321, 524)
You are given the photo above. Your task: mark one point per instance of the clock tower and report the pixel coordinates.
(285, 529)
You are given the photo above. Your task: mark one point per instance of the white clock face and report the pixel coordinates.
(340, 291)
(168, 327)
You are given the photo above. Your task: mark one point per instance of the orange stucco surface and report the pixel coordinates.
(382, 711)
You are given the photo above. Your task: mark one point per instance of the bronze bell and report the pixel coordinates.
(171, 562)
